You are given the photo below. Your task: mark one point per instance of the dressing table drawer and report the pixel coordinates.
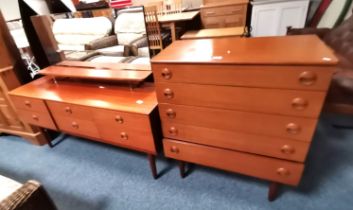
(41, 119)
(283, 77)
(77, 126)
(29, 104)
(59, 109)
(272, 101)
(254, 165)
(223, 10)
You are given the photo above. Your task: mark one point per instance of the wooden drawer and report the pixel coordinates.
(283, 77)
(236, 121)
(223, 11)
(245, 142)
(77, 126)
(37, 118)
(29, 104)
(70, 110)
(223, 21)
(254, 165)
(274, 101)
(125, 129)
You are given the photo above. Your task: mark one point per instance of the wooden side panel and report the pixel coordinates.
(285, 172)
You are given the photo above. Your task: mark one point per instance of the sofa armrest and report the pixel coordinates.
(320, 32)
(30, 196)
(138, 43)
(102, 43)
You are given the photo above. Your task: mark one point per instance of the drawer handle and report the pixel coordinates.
(75, 125)
(174, 149)
(299, 103)
(35, 117)
(28, 104)
(283, 172)
(173, 131)
(171, 113)
(119, 119)
(166, 73)
(68, 110)
(293, 128)
(168, 93)
(210, 13)
(124, 136)
(307, 78)
(287, 149)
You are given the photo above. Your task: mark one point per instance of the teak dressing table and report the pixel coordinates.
(243, 105)
(111, 106)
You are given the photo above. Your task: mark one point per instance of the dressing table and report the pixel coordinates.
(111, 106)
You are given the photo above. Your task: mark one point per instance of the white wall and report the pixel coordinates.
(9, 9)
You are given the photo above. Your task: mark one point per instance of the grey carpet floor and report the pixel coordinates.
(84, 175)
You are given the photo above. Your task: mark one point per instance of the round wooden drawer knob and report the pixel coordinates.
(173, 130)
(119, 119)
(28, 104)
(174, 149)
(293, 128)
(287, 149)
(124, 136)
(166, 74)
(283, 172)
(171, 113)
(68, 110)
(307, 78)
(74, 125)
(35, 117)
(168, 93)
(299, 103)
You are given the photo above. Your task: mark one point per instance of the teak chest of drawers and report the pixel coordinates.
(117, 115)
(243, 105)
(226, 13)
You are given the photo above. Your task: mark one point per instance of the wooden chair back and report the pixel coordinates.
(174, 7)
(159, 6)
(153, 28)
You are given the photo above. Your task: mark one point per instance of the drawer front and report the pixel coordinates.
(77, 126)
(245, 142)
(222, 11)
(223, 21)
(132, 130)
(274, 101)
(69, 110)
(29, 104)
(262, 124)
(283, 77)
(37, 118)
(281, 171)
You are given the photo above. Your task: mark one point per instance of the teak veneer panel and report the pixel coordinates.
(248, 164)
(41, 119)
(295, 128)
(287, 50)
(272, 101)
(283, 77)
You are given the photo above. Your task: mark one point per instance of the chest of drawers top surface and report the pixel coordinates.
(141, 100)
(287, 50)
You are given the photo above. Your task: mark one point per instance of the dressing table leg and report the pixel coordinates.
(152, 160)
(273, 191)
(182, 169)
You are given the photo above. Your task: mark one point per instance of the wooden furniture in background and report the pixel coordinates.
(225, 13)
(96, 107)
(153, 29)
(215, 33)
(12, 73)
(239, 105)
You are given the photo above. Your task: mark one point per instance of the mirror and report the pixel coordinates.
(97, 38)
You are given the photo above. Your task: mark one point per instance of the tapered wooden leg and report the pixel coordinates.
(152, 160)
(182, 169)
(273, 191)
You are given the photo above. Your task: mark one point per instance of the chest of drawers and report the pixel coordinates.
(243, 105)
(116, 115)
(222, 14)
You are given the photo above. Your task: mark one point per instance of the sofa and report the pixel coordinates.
(340, 39)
